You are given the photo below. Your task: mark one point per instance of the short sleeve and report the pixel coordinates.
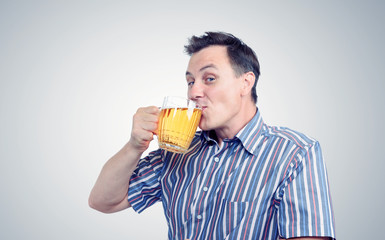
(306, 208)
(145, 188)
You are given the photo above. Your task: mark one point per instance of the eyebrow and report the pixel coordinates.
(203, 68)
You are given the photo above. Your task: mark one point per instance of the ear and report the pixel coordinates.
(248, 83)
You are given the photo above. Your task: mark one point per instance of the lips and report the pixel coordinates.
(201, 106)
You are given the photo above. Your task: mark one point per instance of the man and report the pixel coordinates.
(240, 179)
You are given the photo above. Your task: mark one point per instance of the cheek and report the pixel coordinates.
(219, 94)
(227, 98)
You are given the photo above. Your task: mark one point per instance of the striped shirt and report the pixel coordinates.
(265, 183)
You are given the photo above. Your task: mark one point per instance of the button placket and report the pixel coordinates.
(205, 190)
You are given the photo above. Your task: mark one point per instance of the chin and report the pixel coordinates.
(206, 125)
(203, 127)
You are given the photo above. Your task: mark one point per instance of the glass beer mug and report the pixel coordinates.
(178, 121)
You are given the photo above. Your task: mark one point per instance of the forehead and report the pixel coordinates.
(215, 55)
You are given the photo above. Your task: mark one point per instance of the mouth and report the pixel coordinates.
(203, 111)
(203, 108)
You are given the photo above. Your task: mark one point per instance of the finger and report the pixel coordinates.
(149, 118)
(152, 110)
(149, 126)
(146, 137)
(156, 132)
(142, 136)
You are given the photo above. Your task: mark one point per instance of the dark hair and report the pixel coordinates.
(242, 58)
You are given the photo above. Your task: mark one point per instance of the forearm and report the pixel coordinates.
(109, 193)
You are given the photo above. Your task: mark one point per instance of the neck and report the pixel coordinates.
(239, 122)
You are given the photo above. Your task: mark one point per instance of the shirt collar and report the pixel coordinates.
(250, 135)
(253, 133)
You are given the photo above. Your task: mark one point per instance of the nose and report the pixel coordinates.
(195, 91)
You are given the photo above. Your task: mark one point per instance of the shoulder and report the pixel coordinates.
(292, 136)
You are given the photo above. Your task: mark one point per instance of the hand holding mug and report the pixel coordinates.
(144, 126)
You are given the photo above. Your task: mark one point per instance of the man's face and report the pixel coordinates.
(212, 83)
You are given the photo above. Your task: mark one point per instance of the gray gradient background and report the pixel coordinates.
(72, 73)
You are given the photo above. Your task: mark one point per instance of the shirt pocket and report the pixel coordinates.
(231, 217)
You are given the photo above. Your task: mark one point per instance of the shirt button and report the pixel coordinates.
(199, 216)
(216, 159)
(205, 189)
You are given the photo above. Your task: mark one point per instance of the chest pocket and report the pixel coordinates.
(228, 220)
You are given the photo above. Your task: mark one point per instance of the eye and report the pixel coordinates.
(190, 83)
(210, 79)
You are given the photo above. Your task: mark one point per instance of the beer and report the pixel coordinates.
(176, 128)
